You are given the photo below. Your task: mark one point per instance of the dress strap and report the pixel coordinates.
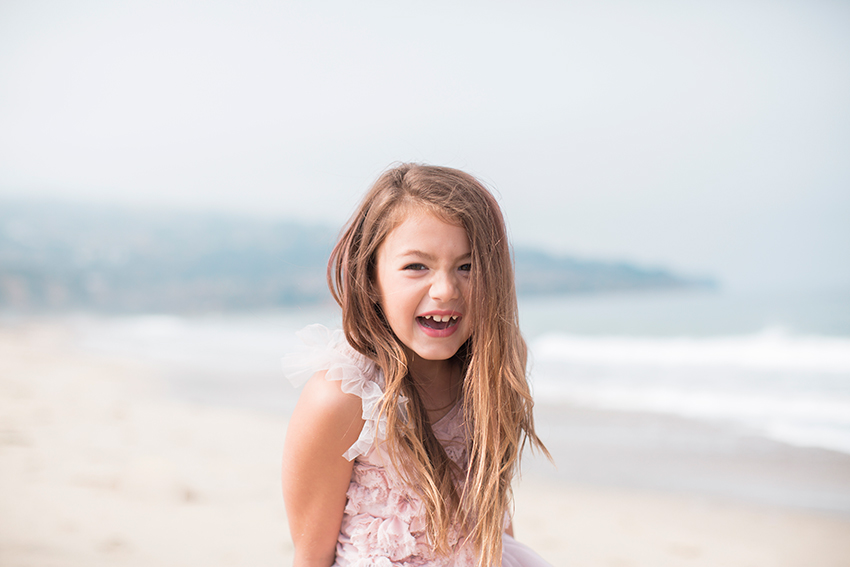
(324, 349)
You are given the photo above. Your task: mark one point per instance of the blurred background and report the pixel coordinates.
(676, 182)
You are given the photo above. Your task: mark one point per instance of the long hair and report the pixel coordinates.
(497, 404)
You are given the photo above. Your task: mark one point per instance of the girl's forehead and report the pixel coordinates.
(423, 226)
(417, 216)
(416, 213)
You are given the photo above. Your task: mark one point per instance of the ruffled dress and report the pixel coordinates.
(384, 520)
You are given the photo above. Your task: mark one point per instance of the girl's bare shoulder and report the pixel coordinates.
(324, 407)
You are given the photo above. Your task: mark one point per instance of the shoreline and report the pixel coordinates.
(676, 455)
(99, 466)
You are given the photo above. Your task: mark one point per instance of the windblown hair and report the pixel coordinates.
(497, 404)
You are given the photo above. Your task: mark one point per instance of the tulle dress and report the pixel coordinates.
(384, 520)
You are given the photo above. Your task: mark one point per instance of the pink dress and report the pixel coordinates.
(384, 520)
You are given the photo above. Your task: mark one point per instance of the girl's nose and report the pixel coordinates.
(444, 287)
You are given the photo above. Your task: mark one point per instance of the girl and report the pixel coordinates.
(405, 440)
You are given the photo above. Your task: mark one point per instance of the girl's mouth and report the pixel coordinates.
(438, 322)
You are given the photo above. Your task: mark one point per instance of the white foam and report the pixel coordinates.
(790, 388)
(207, 344)
(772, 349)
(701, 403)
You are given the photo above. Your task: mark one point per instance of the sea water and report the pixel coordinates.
(776, 365)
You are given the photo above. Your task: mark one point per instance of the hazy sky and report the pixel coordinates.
(711, 137)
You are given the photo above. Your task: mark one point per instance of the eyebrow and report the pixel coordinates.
(425, 255)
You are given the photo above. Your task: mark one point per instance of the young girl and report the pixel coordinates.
(403, 444)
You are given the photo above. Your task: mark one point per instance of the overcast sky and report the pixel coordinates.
(709, 137)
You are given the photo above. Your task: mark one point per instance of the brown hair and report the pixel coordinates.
(497, 404)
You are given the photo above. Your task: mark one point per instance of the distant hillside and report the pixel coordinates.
(540, 273)
(64, 256)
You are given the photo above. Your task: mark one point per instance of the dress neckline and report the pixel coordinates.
(453, 410)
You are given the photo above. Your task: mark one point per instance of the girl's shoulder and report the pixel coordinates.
(327, 354)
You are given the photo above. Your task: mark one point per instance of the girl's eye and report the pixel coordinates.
(465, 267)
(414, 267)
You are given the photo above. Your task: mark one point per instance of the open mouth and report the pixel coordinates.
(438, 322)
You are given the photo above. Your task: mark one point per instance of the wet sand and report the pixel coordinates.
(672, 454)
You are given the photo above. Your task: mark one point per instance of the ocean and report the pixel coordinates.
(775, 365)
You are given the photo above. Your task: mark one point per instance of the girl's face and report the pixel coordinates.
(423, 277)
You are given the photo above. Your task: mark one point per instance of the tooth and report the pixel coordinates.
(439, 318)
(429, 317)
(454, 317)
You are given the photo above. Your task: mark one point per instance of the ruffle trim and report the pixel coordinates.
(324, 349)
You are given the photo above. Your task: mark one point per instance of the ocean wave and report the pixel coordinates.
(789, 388)
(806, 420)
(771, 349)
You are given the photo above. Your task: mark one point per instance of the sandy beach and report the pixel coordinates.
(99, 466)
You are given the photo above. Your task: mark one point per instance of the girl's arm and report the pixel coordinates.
(325, 423)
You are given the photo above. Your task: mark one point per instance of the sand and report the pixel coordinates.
(99, 467)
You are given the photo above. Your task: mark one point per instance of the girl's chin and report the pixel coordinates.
(434, 357)
(436, 353)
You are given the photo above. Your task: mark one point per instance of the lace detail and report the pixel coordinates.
(328, 350)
